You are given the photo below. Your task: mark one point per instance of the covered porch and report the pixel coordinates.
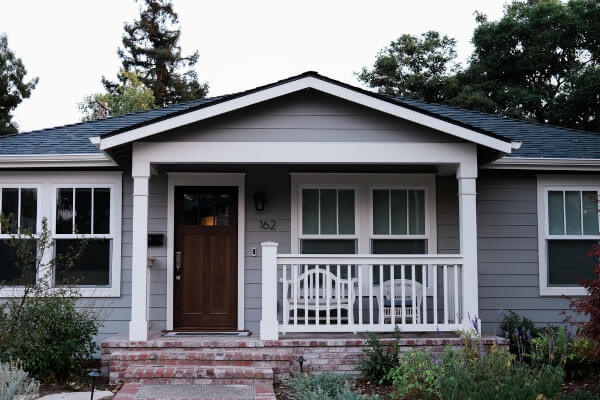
(301, 291)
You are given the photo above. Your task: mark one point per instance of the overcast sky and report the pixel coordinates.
(70, 44)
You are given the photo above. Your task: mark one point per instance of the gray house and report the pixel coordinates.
(309, 206)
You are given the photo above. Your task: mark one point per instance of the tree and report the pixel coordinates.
(13, 87)
(151, 48)
(418, 68)
(129, 97)
(540, 62)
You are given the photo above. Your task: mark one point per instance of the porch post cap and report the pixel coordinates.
(269, 244)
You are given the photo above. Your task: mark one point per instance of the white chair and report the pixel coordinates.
(408, 301)
(313, 298)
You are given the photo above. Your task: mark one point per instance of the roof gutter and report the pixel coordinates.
(547, 164)
(11, 161)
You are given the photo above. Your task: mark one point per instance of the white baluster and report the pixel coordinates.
(337, 295)
(402, 278)
(295, 278)
(413, 276)
(435, 299)
(393, 295)
(456, 307)
(446, 294)
(286, 315)
(381, 294)
(424, 280)
(371, 294)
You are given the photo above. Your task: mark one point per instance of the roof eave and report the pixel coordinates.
(548, 164)
(12, 161)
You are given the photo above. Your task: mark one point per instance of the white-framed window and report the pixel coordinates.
(568, 229)
(328, 219)
(19, 208)
(418, 212)
(81, 208)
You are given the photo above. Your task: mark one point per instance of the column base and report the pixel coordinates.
(138, 331)
(269, 330)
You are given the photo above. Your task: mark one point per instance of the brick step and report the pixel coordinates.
(193, 374)
(205, 355)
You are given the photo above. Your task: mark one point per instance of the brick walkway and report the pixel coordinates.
(138, 391)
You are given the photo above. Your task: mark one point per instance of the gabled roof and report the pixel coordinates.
(538, 140)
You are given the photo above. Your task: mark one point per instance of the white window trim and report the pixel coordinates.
(47, 182)
(38, 222)
(547, 183)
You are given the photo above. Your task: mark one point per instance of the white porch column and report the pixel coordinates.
(138, 326)
(269, 329)
(467, 197)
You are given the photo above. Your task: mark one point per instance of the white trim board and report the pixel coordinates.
(206, 179)
(296, 85)
(549, 164)
(55, 160)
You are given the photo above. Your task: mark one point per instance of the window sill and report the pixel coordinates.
(562, 291)
(84, 292)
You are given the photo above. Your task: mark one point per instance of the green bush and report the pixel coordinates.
(519, 331)
(48, 335)
(580, 395)
(324, 386)
(16, 384)
(416, 376)
(497, 376)
(379, 360)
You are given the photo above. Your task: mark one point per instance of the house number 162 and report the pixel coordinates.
(268, 224)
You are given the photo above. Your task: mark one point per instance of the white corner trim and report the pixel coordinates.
(56, 160)
(206, 179)
(297, 85)
(550, 164)
(564, 182)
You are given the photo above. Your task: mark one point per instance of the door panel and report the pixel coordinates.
(206, 235)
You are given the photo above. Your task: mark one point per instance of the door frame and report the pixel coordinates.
(206, 179)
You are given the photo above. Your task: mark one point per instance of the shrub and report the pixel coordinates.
(324, 386)
(519, 331)
(49, 335)
(589, 306)
(379, 360)
(495, 376)
(416, 375)
(16, 384)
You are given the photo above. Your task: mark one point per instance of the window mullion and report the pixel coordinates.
(319, 209)
(581, 211)
(92, 212)
(337, 212)
(564, 211)
(389, 212)
(407, 213)
(18, 211)
(73, 212)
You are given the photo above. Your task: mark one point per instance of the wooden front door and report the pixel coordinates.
(205, 267)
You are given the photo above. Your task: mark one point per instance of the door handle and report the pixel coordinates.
(178, 265)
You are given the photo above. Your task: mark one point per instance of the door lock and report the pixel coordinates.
(178, 266)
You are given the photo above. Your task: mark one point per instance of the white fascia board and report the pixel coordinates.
(550, 164)
(294, 86)
(55, 160)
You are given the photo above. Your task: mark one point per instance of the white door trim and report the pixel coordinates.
(206, 179)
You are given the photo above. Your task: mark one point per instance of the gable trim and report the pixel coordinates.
(549, 164)
(307, 82)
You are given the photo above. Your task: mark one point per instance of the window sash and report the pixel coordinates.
(37, 222)
(553, 218)
(407, 235)
(92, 234)
(319, 234)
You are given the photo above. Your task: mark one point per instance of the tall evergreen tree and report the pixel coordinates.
(13, 87)
(151, 49)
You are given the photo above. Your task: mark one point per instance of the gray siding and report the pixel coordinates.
(302, 117)
(508, 250)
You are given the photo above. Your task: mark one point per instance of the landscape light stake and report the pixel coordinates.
(301, 362)
(93, 374)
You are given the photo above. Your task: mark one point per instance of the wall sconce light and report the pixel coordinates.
(259, 201)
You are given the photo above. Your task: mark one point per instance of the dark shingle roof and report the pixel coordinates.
(538, 140)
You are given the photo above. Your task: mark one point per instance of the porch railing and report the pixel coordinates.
(359, 293)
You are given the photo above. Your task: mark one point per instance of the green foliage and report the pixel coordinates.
(580, 395)
(324, 386)
(540, 62)
(416, 376)
(515, 328)
(151, 48)
(131, 96)
(495, 376)
(415, 67)
(379, 360)
(16, 384)
(13, 87)
(43, 328)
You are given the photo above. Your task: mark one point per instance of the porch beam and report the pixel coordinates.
(467, 200)
(464, 154)
(138, 325)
